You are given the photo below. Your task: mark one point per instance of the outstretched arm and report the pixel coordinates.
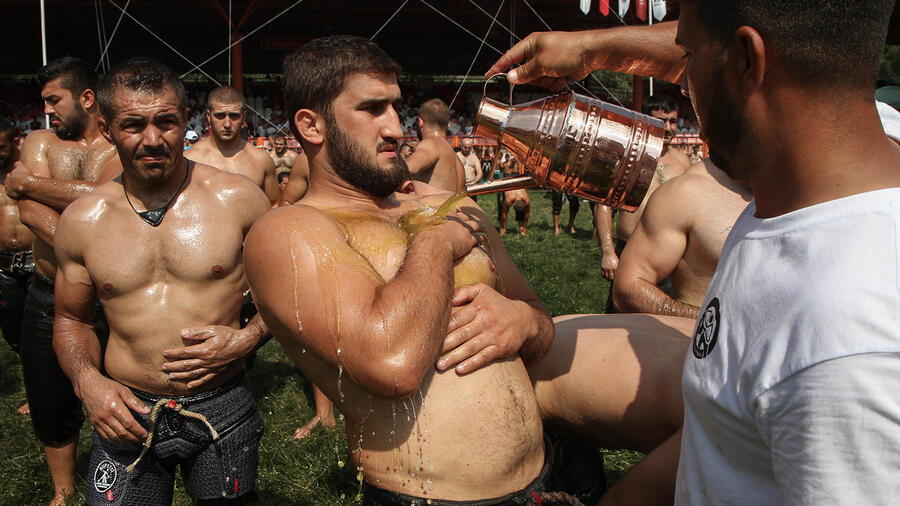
(76, 345)
(653, 252)
(551, 59)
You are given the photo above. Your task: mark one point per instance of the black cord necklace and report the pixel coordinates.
(155, 216)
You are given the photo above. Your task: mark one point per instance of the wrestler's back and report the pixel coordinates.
(434, 443)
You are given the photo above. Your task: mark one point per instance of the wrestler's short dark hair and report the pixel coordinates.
(142, 75)
(659, 102)
(828, 43)
(520, 205)
(8, 128)
(435, 112)
(281, 175)
(74, 74)
(317, 73)
(224, 95)
(277, 135)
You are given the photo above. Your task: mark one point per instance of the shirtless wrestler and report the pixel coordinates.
(434, 161)
(224, 148)
(470, 160)
(281, 155)
(680, 236)
(375, 303)
(521, 203)
(16, 261)
(672, 162)
(299, 181)
(161, 248)
(58, 166)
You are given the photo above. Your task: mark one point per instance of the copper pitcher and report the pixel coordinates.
(574, 144)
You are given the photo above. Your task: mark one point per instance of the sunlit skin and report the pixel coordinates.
(339, 253)
(163, 287)
(434, 161)
(224, 149)
(14, 235)
(283, 158)
(680, 236)
(672, 163)
(470, 161)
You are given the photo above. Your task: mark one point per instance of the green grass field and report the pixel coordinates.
(563, 270)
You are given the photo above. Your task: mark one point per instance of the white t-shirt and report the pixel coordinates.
(792, 384)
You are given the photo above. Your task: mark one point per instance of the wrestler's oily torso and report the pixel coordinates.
(457, 437)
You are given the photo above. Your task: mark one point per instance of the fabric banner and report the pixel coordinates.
(604, 7)
(640, 9)
(659, 9)
(623, 7)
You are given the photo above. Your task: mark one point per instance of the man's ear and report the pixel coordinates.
(87, 99)
(310, 125)
(751, 60)
(420, 123)
(103, 126)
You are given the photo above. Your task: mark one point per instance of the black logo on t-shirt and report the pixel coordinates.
(707, 332)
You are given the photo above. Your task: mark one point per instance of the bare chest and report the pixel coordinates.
(242, 163)
(127, 255)
(78, 162)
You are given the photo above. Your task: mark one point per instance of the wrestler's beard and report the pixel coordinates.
(351, 163)
(723, 127)
(74, 125)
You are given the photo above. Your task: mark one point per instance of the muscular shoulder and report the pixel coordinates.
(258, 157)
(200, 151)
(228, 187)
(37, 143)
(90, 209)
(273, 240)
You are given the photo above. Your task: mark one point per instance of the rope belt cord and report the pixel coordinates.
(559, 497)
(154, 416)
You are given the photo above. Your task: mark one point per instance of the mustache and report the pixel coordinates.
(384, 144)
(160, 151)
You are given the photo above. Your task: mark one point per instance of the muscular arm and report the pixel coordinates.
(39, 218)
(386, 336)
(78, 349)
(270, 182)
(609, 263)
(553, 58)
(39, 184)
(653, 252)
(298, 182)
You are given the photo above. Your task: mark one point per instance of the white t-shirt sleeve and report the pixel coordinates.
(834, 431)
(890, 120)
